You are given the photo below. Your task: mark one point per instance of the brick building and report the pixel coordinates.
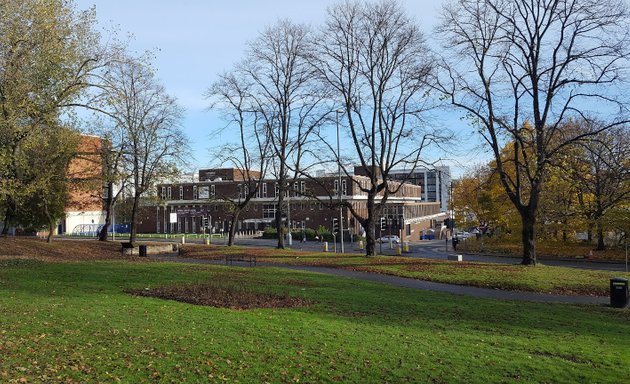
(185, 207)
(84, 212)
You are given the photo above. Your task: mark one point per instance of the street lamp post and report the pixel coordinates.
(339, 181)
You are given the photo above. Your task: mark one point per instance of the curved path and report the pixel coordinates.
(418, 284)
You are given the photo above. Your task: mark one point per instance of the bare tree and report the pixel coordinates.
(250, 154)
(144, 123)
(520, 68)
(286, 100)
(602, 177)
(375, 62)
(116, 177)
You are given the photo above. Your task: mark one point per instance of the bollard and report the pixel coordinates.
(406, 246)
(184, 239)
(399, 250)
(325, 246)
(360, 244)
(207, 241)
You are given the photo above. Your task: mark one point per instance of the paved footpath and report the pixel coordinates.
(418, 284)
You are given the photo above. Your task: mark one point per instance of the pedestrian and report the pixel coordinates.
(455, 241)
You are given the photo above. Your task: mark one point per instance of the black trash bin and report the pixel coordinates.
(618, 292)
(143, 251)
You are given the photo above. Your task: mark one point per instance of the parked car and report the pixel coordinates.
(385, 239)
(461, 235)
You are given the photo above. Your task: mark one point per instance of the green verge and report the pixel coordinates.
(73, 322)
(516, 277)
(540, 279)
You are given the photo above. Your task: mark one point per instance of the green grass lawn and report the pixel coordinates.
(512, 246)
(73, 322)
(541, 278)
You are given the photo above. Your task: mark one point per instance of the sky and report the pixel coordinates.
(197, 40)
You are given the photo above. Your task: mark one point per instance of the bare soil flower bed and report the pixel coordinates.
(221, 296)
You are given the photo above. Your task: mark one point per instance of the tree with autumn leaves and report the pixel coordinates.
(47, 52)
(586, 189)
(507, 62)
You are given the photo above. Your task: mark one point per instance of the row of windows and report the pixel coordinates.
(207, 192)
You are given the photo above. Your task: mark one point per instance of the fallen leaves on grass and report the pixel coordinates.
(221, 296)
(14, 248)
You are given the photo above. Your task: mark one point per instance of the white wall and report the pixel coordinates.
(75, 220)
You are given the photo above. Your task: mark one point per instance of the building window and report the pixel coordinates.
(213, 190)
(302, 187)
(344, 189)
(163, 194)
(336, 187)
(181, 192)
(264, 189)
(195, 193)
(168, 193)
(269, 211)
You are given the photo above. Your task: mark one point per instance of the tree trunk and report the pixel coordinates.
(51, 223)
(51, 230)
(232, 230)
(279, 211)
(528, 219)
(134, 209)
(8, 216)
(109, 205)
(370, 235)
(600, 237)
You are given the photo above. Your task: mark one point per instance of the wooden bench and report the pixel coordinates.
(230, 259)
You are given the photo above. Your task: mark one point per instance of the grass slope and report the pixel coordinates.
(73, 322)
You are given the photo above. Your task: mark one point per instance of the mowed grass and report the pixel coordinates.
(512, 246)
(540, 279)
(73, 322)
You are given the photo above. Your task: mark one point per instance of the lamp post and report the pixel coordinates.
(339, 181)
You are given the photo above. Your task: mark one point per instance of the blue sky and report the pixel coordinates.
(196, 40)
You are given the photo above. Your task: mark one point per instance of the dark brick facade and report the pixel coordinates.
(307, 203)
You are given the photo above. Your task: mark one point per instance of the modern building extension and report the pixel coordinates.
(435, 183)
